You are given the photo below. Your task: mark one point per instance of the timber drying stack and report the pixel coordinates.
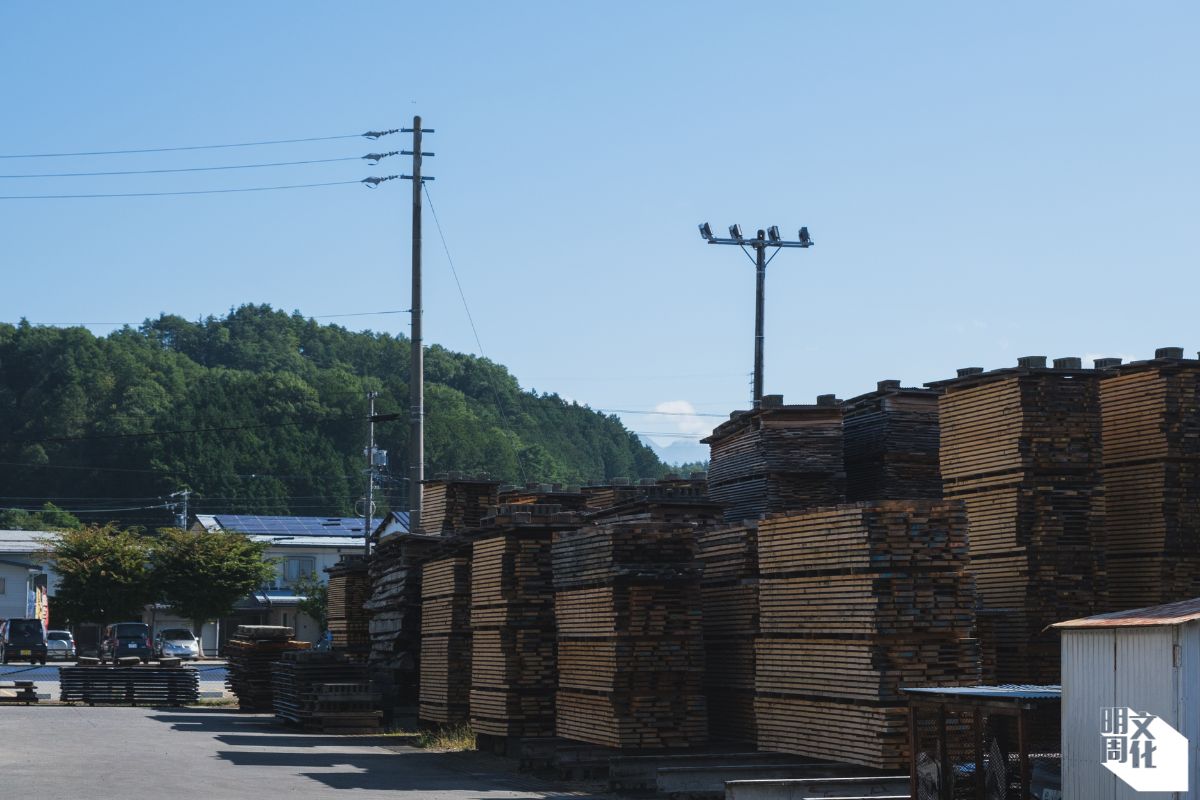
(855, 602)
(250, 652)
(630, 646)
(348, 590)
(1151, 435)
(729, 600)
(514, 669)
(778, 458)
(891, 441)
(450, 503)
(1021, 447)
(446, 640)
(395, 616)
(542, 494)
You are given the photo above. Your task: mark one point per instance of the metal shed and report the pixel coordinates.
(1148, 660)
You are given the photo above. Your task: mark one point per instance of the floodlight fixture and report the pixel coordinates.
(735, 232)
(805, 239)
(773, 233)
(706, 231)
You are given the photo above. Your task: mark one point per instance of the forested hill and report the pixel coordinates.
(263, 412)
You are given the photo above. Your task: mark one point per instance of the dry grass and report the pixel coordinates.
(453, 738)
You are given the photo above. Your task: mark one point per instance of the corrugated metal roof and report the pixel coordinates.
(1008, 691)
(1166, 614)
(23, 541)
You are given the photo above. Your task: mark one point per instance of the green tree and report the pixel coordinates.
(315, 602)
(50, 518)
(201, 575)
(104, 574)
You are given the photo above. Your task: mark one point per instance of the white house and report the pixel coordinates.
(20, 573)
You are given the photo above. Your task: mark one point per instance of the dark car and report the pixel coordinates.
(22, 640)
(125, 639)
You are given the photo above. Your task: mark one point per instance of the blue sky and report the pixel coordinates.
(982, 181)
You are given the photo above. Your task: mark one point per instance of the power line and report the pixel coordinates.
(144, 321)
(661, 413)
(180, 169)
(499, 406)
(174, 194)
(368, 135)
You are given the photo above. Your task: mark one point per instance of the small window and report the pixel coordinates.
(298, 567)
(2, 589)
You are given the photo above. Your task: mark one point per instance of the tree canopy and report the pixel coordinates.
(104, 574)
(263, 412)
(201, 575)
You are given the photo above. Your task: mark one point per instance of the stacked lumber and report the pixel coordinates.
(542, 494)
(324, 691)
(250, 653)
(668, 503)
(132, 685)
(451, 502)
(348, 590)
(854, 603)
(601, 496)
(514, 669)
(630, 641)
(13, 692)
(777, 458)
(891, 443)
(1150, 414)
(445, 640)
(1021, 448)
(394, 611)
(729, 603)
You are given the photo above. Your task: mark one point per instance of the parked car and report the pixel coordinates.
(22, 640)
(60, 646)
(125, 639)
(177, 643)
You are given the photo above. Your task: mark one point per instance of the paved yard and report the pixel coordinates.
(69, 752)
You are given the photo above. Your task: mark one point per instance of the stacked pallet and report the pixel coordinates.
(445, 640)
(777, 458)
(1021, 447)
(132, 685)
(856, 602)
(324, 691)
(394, 610)
(891, 442)
(514, 669)
(452, 502)
(630, 642)
(1151, 434)
(250, 653)
(348, 590)
(729, 601)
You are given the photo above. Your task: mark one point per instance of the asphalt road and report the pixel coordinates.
(69, 752)
(212, 677)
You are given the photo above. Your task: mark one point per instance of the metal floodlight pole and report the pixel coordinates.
(763, 240)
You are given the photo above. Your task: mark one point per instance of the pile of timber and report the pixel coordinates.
(1150, 414)
(729, 601)
(630, 641)
(778, 458)
(451, 502)
(324, 691)
(543, 494)
(603, 496)
(856, 602)
(682, 503)
(445, 640)
(1021, 447)
(348, 590)
(250, 654)
(514, 672)
(129, 685)
(891, 442)
(394, 611)
(13, 692)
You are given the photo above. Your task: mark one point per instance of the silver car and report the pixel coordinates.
(60, 646)
(177, 643)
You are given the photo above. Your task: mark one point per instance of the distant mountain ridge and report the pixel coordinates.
(261, 411)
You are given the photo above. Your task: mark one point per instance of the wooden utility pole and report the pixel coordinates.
(416, 383)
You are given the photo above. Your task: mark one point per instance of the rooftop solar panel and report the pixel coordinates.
(280, 525)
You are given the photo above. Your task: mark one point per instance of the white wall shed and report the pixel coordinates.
(1147, 659)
